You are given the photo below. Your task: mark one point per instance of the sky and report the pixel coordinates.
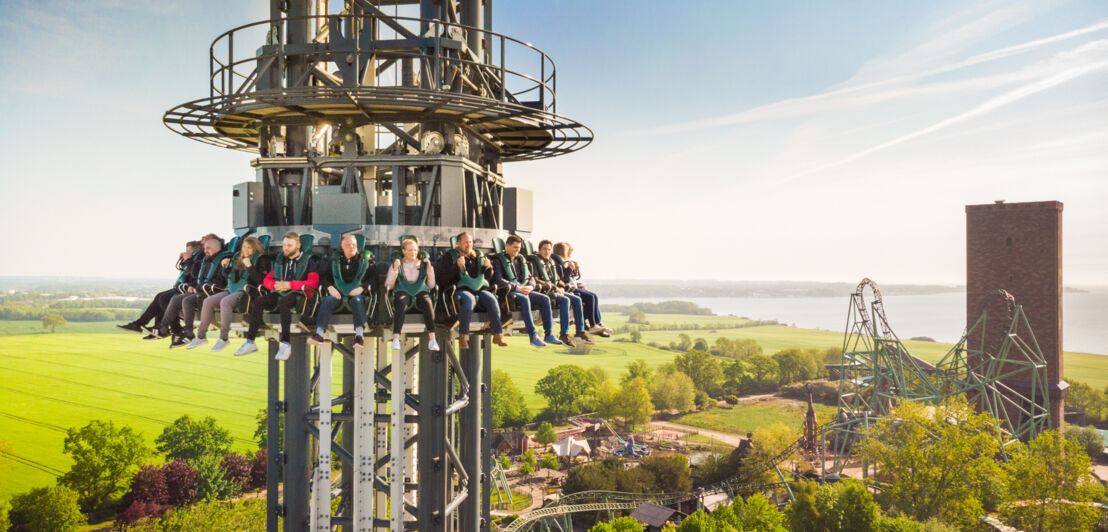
(759, 140)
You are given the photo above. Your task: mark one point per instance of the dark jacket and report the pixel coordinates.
(447, 272)
(190, 271)
(503, 284)
(348, 268)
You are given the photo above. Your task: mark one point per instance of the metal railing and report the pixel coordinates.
(252, 57)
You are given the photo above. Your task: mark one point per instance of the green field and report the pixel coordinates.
(744, 418)
(50, 382)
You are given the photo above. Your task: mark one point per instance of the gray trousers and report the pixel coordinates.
(180, 304)
(226, 302)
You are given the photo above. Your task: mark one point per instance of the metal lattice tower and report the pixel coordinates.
(385, 118)
(877, 371)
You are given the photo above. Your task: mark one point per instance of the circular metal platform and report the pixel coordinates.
(519, 132)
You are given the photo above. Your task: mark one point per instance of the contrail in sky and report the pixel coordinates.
(797, 106)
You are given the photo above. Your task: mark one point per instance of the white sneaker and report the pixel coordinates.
(396, 343)
(596, 328)
(220, 344)
(284, 351)
(247, 347)
(196, 342)
(433, 345)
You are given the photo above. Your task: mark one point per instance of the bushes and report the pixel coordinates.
(46, 510)
(237, 468)
(1088, 438)
(258, 470)
(155, 489)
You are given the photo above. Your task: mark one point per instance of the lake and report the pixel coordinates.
(939, 316)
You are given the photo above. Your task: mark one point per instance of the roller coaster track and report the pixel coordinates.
(587, 501)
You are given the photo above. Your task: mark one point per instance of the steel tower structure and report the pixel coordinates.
(369, 122)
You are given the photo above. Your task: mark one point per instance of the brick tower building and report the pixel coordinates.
(1018, 247)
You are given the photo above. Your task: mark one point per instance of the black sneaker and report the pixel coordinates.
(152, 336)
(178, 341)
(604, 334)
(315, 340)
(359, 341)
(133, 327)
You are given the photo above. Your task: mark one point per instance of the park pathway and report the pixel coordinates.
(729, 439)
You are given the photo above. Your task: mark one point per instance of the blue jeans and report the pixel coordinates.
(327, 306)
(541, 302)
(592, 306)
(564, 304)
(466, 303)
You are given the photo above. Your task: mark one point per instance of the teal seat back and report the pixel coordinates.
(498, 245)
(528, 249)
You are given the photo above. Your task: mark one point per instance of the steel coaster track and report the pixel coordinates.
(585, 501)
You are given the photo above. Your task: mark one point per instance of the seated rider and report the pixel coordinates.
(244, 273)
(294, 276)
(185, 302)
(512, 277)
(349, 277)
(546, 277)
(570, 274)
(156, 309)
(413, 279)
(465, 269)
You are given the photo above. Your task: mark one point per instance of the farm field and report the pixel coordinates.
(750, 416)
(50, 382)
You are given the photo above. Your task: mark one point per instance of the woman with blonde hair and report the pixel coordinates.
(413, 280)
(569, 278)
(245, 272)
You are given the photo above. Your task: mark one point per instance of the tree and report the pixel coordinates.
(600, 373)
(756, 513)
(258, 470)
(619, 524)
(734, 375)
(545, 434)
(104, 458)
(670, 473)
(567, 388)
(637, 316)
(636, 336)
(675, 391)
(795, 365)
(549, 461)
(1089, 399)
(245, 516)
(1088, 438)
(1050, 480)
(190, 440)
(52, 321)
(638, 368)
(703, 368)
(261, 432)
(527, 462)
(607, 402)
(700, 344)
(635, 401)
(212, 483)
(46, 510)
(237, 468)
(180, 481)
(5, 508)
(936, 461)
(760, 374)
(508, 406)
(684, 343)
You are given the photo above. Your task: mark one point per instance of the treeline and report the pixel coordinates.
(34, 313)
(726, 370)
(112, 474)
(665, 307)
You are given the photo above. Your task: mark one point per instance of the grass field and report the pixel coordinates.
(749, 417)
(50, 382)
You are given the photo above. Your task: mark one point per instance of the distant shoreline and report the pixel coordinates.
(610, 288)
